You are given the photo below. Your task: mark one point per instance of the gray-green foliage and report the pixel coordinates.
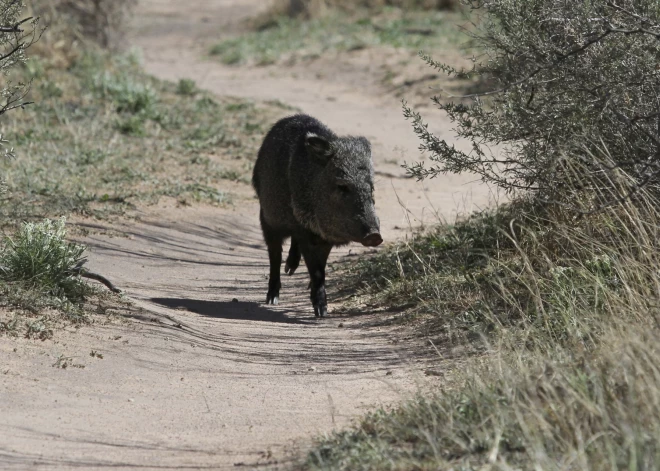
(186, 87)
(129, 95)
(40, 256)
(15, 38)
(561, 79)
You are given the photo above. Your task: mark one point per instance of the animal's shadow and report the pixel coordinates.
(247, 311)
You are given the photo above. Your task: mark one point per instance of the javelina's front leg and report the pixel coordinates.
(316, 257)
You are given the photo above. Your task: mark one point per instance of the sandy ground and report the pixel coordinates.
(203, 376)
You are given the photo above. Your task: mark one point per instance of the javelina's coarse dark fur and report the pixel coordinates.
(318, 189)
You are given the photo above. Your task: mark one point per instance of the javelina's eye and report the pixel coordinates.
(343, 188)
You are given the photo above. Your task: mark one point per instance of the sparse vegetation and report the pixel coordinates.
(76, 147)
(315, 8)
(285, 38)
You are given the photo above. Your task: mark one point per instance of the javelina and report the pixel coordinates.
(318, 189)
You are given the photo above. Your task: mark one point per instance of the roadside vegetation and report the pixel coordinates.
(299, 31)
(40, 283)
(549, 303)
(103, 137)
(98, 138)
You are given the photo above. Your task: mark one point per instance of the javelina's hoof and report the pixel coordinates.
(290, 268)
(274, 300)
(320, 311)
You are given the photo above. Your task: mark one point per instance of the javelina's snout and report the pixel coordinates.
(372, 240)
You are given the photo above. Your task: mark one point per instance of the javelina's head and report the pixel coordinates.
(344, 193)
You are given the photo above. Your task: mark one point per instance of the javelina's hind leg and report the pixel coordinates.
(316, 257)
(274, 242)
(293, 260)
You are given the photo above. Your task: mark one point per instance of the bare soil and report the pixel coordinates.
(203, 376)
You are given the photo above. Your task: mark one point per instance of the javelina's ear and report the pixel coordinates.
(319, 147)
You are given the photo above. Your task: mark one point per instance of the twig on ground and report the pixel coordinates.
(85, 273)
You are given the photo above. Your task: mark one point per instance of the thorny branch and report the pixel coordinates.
(16, 28)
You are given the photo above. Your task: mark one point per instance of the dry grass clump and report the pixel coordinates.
(585, 412)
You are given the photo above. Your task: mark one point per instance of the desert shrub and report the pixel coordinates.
(40, 282)
(39, 255)
(186, 87)
(563, 78)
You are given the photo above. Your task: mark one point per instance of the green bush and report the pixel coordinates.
(186, 87)
(39, 256)
(129, 95)
(562, 80)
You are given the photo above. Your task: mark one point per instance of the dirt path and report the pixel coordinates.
(206, 377)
